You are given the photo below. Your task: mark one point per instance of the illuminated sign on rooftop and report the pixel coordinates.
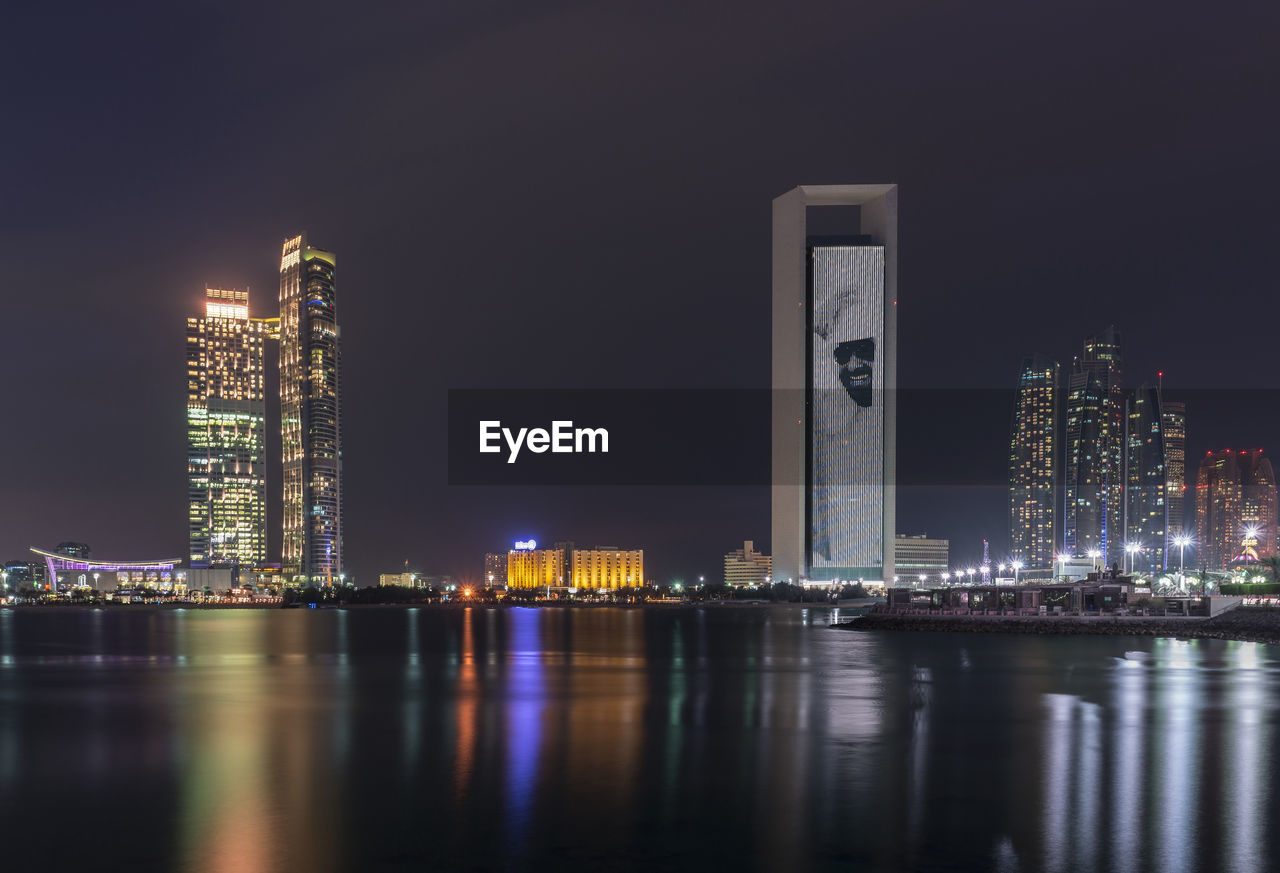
(525, 545)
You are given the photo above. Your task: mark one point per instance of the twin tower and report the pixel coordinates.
(227, 425)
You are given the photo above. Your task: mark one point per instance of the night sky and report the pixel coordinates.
(497, 178)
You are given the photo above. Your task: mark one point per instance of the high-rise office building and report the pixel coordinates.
(1093, 468)
(1174, 414)
(1236, 508)
(1146, 482)
(310, 415)
(834, 381)
(226, 433)
(1033, 465)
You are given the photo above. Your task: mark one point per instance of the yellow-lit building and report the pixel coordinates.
(567, 567)
(607, 567)
(536, 568)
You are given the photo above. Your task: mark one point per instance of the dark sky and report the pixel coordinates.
(496, 177)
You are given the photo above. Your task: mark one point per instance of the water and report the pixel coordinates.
(609, 739)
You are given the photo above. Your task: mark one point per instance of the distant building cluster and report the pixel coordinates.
(1098, 471)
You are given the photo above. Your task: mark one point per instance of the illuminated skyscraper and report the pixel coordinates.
(1093, 469)
(1236, 508)
(310, 415)
(1146, 481)
(1033, 465)
(1175, 468)
(834, 380)
(226, 433)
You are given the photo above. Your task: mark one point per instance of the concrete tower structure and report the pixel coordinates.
(834, 387)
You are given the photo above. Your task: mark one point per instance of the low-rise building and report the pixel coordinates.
(918, 555)
(746, 566)
(564, 567)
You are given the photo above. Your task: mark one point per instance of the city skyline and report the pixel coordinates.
(122, 215)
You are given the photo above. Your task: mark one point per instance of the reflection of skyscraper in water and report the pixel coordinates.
(834, 374)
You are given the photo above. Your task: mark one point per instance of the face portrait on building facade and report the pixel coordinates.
(855, 359)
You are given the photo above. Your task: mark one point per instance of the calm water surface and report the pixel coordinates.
(610, 739)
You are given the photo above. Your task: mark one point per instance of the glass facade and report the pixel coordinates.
(1146, 481)
(226, 433)
(845, 509)
(1236, 510)
(1033, 466)
(310, 415)
(1174, 424)
(1093, 474)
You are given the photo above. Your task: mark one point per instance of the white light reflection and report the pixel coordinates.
(1058, 763)
(1249, 741)
(1129, 740)
(1178, 700)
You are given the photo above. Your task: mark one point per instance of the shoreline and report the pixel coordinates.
(1252, 624)
(456, 604)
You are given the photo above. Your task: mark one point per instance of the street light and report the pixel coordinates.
(1016, 565)
(1062, 563)
(1181, 541)
(945, 577)
(922, 578)
(969, 573)
(1131, 549)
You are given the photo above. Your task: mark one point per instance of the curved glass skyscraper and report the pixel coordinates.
(310, 414)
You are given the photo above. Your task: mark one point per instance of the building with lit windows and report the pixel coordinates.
(1146, 481)
(536, 568)
(917, 554)
(834, 380)
(495, 570)
(746, 566)
(1033, 466)
(1093, 467)
(1174, 424)
(310, 415)
(226, 433)
(565, 566)
(1236, 509)
(606, 567)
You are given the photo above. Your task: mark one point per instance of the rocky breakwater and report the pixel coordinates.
(1255, 624)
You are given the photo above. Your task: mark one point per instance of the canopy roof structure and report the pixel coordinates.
(68, 563)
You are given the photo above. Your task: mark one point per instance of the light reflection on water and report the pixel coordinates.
(751, 739)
